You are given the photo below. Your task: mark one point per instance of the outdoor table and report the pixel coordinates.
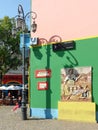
(7, 101)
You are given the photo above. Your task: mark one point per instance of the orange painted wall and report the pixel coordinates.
(67, 18)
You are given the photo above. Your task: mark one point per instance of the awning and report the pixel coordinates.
(11, 87)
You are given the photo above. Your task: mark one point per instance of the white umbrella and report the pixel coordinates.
(18, 88)
(11, 87)
(3, 88)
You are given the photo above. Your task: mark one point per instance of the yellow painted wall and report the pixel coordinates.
(77, 111)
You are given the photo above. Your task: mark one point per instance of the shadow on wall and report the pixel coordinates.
(97, 113)
(71, 59)
(48, 92)
(37, 52)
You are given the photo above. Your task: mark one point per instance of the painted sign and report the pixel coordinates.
(27, 41)
(42, 73)
(42, 85)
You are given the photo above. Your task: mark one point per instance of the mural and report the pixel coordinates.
(76, 84)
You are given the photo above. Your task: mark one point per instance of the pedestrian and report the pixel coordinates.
(15, 107)
(19, 101)
(18, 104)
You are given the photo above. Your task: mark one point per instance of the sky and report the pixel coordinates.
(10, 7)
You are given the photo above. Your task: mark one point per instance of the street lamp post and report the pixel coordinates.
(21, 25)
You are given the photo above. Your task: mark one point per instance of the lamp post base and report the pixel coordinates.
(24, 112)
(23, 106)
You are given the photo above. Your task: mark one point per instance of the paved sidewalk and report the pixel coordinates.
(12, 121)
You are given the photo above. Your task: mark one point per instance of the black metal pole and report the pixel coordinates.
(23, 103)
(21, 25)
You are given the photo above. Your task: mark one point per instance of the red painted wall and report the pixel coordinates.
(12, 78)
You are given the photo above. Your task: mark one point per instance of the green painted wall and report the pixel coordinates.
(43, 57)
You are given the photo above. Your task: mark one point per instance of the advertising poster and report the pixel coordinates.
(76, 84)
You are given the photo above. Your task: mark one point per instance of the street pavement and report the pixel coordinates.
(10, 120)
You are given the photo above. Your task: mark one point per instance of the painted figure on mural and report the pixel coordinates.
(69, 81)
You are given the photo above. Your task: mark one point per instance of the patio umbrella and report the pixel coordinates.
(12, 87)
(17, 88)
(3, 88)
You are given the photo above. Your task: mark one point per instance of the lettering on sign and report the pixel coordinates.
(42, 73)
(42, 85)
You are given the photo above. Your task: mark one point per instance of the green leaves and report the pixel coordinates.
(10, 57)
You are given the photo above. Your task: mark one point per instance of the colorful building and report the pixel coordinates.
(12, 79)
(63, 67)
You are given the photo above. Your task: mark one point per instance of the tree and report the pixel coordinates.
(10, 56)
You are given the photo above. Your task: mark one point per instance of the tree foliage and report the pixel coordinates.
(10, 57)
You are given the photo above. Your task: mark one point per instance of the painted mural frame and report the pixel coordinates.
(76, 84)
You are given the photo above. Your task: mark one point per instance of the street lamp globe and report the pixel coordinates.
(20, 23)
(34, 27)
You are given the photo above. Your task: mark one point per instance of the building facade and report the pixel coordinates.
(63, 67)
